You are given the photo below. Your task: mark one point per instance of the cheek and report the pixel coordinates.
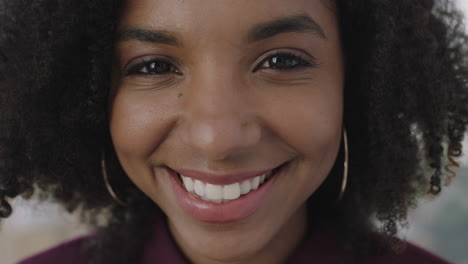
(321, 128)
(139, 123)
(309, 120)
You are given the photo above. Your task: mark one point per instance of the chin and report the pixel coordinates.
(227, 244)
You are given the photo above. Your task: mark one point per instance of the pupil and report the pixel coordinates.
(158, 67)
(283, 62)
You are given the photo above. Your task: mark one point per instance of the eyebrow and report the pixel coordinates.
(296, 23)
(154, 36)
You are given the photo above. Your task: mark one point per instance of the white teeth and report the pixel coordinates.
(199, 188)
(245, 187)
(255, 182)
(231, 191)
(204, 197)
(219, 193)
(214, 192)
(188, 183)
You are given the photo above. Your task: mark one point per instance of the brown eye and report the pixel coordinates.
(152, 67)
(285, 61)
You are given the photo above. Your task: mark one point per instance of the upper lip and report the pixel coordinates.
(221, 179)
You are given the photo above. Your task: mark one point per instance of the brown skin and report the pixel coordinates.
(221, 109)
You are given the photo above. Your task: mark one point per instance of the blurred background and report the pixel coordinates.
(439, 225)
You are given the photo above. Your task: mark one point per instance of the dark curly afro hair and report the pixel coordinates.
(406, 111)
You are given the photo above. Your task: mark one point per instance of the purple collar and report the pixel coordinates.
(319, 247)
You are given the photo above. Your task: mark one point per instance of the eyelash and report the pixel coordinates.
(301, 61)
(152, 64)
(161, 66)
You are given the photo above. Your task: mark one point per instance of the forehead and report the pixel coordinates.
(220, 18)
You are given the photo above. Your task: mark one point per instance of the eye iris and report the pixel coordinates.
(285, 62)
(157, 67)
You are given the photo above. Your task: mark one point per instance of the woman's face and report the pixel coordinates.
(226, 93)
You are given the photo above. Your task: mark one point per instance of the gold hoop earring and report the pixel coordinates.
(106, 182)
(344, 181)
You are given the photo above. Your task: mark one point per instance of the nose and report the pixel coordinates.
(219, 121)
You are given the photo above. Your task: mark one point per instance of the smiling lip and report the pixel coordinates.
(230, 211)
(225, 179)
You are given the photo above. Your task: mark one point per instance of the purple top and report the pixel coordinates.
(317, 248)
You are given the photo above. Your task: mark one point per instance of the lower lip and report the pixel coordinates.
(231, 211)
